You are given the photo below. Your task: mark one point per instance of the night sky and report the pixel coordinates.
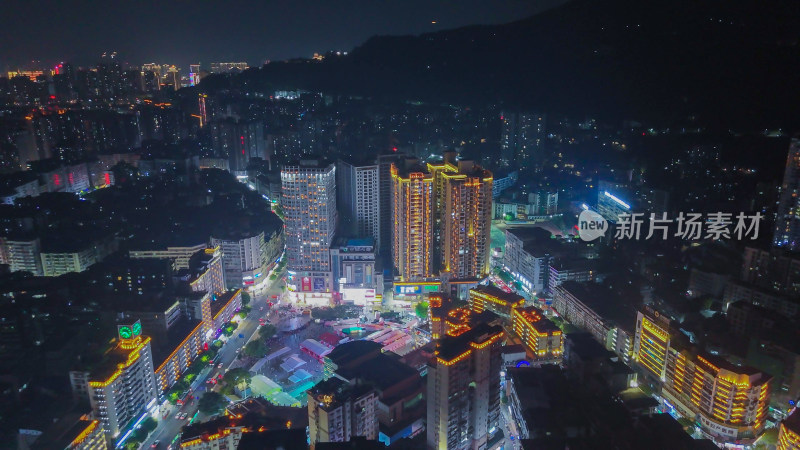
(186, 31)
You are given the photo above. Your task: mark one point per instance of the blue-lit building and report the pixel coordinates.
(613, 200)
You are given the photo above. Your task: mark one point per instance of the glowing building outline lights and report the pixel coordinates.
(617, 200)
(493, 339)
(494, 299)
(463, 386)
(85, 433)
(537, 333)
(789, 434)
(731, 401)
(651, 350)
(123, 386)
(462, 211)
(455, 360)
(412, 212)
(133, 356)
(192, 442)
(192, 346)
(458, 321)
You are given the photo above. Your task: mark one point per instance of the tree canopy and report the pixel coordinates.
(267, 331)
(211, 403)
(237, 376)
(256, 348)
(421, 310)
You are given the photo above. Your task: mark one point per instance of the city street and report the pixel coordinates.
(169, 428)
(509, 428)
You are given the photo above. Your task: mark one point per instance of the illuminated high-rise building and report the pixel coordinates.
(730, 401)
(339, 411)
(652, 342)
(522, 137)
(789, 434)
(787, 221)
(438, 170)
(359, 191)
(385, 181)
(441, 218)
(151, 77)
(194, 74)
(462, 212)
(466, 221)
(172, 77)
(201, 109)
(412, 211)
(464, 389)
(122, 388)
(309, 207)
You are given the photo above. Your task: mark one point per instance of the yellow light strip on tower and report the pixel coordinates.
(84, 434)
(454, 360)
(133, 356)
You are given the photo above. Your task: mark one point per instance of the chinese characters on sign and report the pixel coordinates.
(689, 226)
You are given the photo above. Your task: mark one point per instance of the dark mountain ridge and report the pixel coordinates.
(732, 64)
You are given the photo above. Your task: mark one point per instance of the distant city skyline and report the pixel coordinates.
(185, 33)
